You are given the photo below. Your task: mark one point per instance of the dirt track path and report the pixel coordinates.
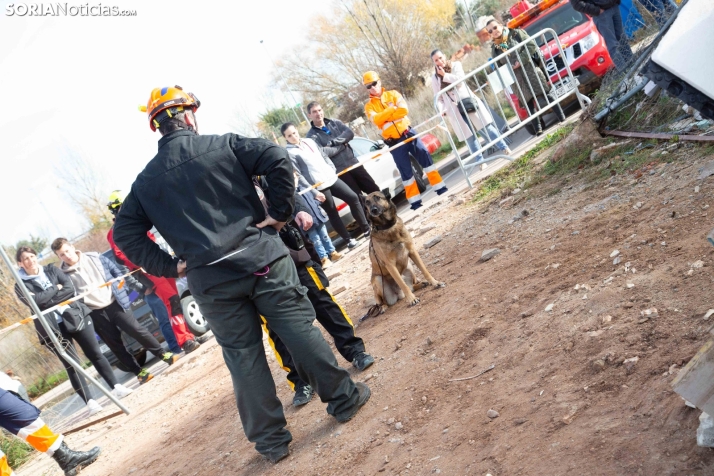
(568, 403)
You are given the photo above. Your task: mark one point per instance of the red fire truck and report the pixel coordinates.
(584, 48)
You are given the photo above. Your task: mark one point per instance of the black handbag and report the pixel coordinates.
(75, 317)
(469, 104)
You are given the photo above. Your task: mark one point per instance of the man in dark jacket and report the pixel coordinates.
(608, 20)
(333, 133)
(111, 307)
(198, 192)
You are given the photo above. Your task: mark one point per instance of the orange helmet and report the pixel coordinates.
(370, 77)
(166, 102)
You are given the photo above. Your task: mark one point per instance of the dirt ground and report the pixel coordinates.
(569, 399)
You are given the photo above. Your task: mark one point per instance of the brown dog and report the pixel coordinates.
(390, 249)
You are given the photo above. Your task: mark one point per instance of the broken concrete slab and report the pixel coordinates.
(488, 254)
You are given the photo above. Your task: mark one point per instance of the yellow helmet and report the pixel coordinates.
(116, 198)
(370, 77)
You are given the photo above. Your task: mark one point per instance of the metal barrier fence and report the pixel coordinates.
(513, 73)
(38, 367)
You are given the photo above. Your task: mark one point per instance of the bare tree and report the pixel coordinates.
(392, 37)
(85, 185)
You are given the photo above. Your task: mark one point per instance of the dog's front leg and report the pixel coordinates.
(414, 256)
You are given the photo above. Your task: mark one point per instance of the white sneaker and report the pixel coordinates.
(120, 391)
(483, 166)
(507, 151)
(93, 407)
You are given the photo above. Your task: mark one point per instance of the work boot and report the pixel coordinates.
(169, 357)
(205, 337)
(362, 360)
(71, 461)
(352, 243)
(416, 205)
(144, 376)
(277, 454)
(303, 394)
(442, 190)
(334, 256)
(190, 345)
(364, 394)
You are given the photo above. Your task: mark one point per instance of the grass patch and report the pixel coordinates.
(522, 169)
(46, 384)
(16, 450)
(441, 153)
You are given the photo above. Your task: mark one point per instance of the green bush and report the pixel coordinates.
(16, 450)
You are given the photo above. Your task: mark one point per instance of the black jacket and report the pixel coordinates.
(198, 193)
(46, 298)
(592, 7)
(339, 138)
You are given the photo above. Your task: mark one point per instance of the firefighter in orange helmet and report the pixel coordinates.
(388, 111)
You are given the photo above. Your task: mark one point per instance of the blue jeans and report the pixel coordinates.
(162, 315)
(609, 24)
(319, 237)
(489, 133)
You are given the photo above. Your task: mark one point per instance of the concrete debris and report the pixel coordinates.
(424, 229)
(488, 254)
(549, 307)
(630, 364)
(630, 285)
(398, 425)
(617, 260)
(595, 333)
(506, 202)
(648, 313)
(706, 171)
(437, 239)
(708, 314)
(614, 253)
(492, 414)
(698, 264)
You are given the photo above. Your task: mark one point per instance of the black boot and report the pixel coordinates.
(560, 113)
(71, 461)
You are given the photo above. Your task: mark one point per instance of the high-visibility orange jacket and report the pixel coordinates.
(389, 113)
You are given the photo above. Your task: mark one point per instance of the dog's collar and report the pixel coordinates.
(385, 227)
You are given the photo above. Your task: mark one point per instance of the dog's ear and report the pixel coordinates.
(367, 215)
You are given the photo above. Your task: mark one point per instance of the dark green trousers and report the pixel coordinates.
(233, 310)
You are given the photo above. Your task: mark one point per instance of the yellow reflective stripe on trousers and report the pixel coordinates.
(320, 287)
(38, 435)
(275, 351)
(5, 469)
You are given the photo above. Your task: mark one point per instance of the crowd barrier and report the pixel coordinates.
(499, 76)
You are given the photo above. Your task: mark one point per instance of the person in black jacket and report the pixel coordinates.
(335, 134)
(608, 20)
(198, 192)
(49, 287)
(328, 311)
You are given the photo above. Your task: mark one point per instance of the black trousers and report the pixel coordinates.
(235, 309)
(110, 321)
(340, 190)
(89, 345)
(328, 313)
(359, 180)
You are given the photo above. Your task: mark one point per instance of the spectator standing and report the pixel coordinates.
(336, 135)
(23, 420)
(111, 308)
(198, 192)
(49, 286)
(388, 111)
(312, 163)
(328, 311)
(318, 231)
(608, 20)
(454, 104)
(528, 68)
(161, 293)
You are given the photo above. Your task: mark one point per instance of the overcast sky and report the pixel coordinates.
(74, 84)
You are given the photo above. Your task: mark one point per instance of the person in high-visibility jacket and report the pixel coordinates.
(388, 111)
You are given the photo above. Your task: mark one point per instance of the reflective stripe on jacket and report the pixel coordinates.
(389, 113)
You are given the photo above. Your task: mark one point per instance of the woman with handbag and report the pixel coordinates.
(528, 67)
(467, 114)
(49, 287)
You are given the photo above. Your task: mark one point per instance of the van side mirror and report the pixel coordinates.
(380, 143)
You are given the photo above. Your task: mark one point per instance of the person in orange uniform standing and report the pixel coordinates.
(388, 111)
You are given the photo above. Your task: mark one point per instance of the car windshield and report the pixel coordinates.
(362, 146)
(561, 20)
